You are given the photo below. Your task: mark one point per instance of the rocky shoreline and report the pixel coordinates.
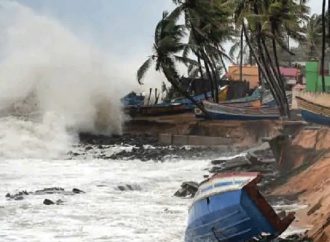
(263, 158)
(143, 147)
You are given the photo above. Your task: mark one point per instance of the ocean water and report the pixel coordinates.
(103, 213)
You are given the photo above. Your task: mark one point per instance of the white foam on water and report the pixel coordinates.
(45, 70)
(103, 213)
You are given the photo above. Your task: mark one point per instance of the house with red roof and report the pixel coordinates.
(292, 75)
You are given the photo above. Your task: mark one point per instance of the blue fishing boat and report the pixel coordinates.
(217, 111)
(313, 110)
(228, 207)
(200, 98)
(133, 99)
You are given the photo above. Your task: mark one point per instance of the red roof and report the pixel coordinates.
(289, 71)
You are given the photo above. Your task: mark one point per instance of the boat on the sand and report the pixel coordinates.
(218, 111)
(229, 207)
(156, 109)
(315, 108)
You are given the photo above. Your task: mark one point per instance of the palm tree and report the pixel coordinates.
(167, 43)
(274, 21)
(313, 36)
(208, 24)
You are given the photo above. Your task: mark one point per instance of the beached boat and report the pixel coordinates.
(132, 99)
(229, 112)
(315, 108)
(228, 207)
(201, 97)
(156, 110)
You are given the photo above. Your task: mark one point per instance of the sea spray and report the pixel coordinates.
(47, 73)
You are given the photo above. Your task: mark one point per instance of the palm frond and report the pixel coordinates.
(143, 69)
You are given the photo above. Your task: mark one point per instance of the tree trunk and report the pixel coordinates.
(272, 81)
(323, 45)
(281, 79)
(223, 62)
(328, 23)
(174, 82)
(262, 69)
(272, 76)
(241, 57)
(209, 75)
(212, 67)
(200, 67)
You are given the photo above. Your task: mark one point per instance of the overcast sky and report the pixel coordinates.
(122, 29)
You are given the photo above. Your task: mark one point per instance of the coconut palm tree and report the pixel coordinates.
(274, 21)
(208, 24)
(167, 44)
(313, 36)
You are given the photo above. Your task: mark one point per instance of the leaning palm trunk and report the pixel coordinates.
(241, 57)
(263, 71)
(207, 70)
(328, 23)
(271, 79)
(213, 77)
(323, 45)
(174, 82)
(281, 80)
(221, 59)
(275, 79)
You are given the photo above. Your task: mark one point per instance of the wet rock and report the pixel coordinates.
(59, 202)
(46, 191)
(77, 191)
(221, 165)
(52, 190)
(18, 196)
(129, 187)
(188, 189)
(48, 202)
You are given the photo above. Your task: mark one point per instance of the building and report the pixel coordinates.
(314, 77)
(292, 75)
(250, 74)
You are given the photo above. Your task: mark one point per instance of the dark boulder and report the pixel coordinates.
(48, 202)
(52, 190)
(18, 196)
(188, 189)
(77, 191)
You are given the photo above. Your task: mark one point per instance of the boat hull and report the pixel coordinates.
(156, 110)
(229, 112)
(232, 116)
(315, 118)
(313, 112)
(231, 217)
(229, 207)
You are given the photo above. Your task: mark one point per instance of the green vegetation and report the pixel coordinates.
(195, 32)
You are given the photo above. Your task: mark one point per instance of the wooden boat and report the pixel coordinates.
(226, 112)
(156, 110)
(201, 97)
(132, 99)
(315, 108)
(228, 207)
